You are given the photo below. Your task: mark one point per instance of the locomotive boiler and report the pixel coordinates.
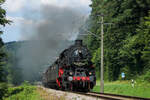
(73, 70)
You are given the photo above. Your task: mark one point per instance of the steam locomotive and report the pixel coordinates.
(73, 70)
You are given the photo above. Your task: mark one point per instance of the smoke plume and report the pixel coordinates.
(48, 31)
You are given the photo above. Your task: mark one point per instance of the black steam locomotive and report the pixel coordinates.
(73, 70)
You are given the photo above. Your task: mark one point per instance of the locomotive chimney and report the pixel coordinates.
(78, 42)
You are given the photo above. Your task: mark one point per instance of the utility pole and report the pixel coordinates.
(102, 56)
(102, 50)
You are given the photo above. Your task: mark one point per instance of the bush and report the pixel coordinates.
(146, 77)
(23, 92)
(3, 90)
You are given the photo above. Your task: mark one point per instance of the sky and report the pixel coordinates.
(16, 10)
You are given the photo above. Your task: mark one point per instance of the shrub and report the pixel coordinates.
(23, 92)
(3, 90)
(147, 76)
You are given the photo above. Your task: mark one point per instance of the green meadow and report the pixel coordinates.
(140, 89)
(23, 92)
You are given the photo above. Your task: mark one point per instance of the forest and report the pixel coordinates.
(126, 38)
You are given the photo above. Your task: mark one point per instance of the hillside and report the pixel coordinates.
(28, 59)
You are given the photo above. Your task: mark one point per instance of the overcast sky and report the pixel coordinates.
(17, 8)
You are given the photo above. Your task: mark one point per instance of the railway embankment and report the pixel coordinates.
(34, 92)
(52, 94)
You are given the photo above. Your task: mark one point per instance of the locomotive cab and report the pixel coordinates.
(79, 55)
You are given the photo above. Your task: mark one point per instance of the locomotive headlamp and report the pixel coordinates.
(90, 73)
(70, 78)
(91, 78)
(80, 51)
(70, 73)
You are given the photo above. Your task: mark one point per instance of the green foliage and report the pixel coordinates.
(15, 73)
(136, 49)
(3, 56)
(25, 83)
(3, 68)
(147, 76)
(96, 61)
(3, 20)
(126, 41)
(3, 71)
(3, 89)
(23, 92)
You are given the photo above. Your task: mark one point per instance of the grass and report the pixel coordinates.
(141, 89)
(23, 92)
(29, 92)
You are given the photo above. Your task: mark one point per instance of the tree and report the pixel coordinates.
(3, 69)
(3, 22)
(126, 17)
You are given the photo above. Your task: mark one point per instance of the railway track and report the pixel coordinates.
(104, 96)
(107, 96)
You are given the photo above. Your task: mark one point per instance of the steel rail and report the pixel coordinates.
(109, 96)
(105, 96)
